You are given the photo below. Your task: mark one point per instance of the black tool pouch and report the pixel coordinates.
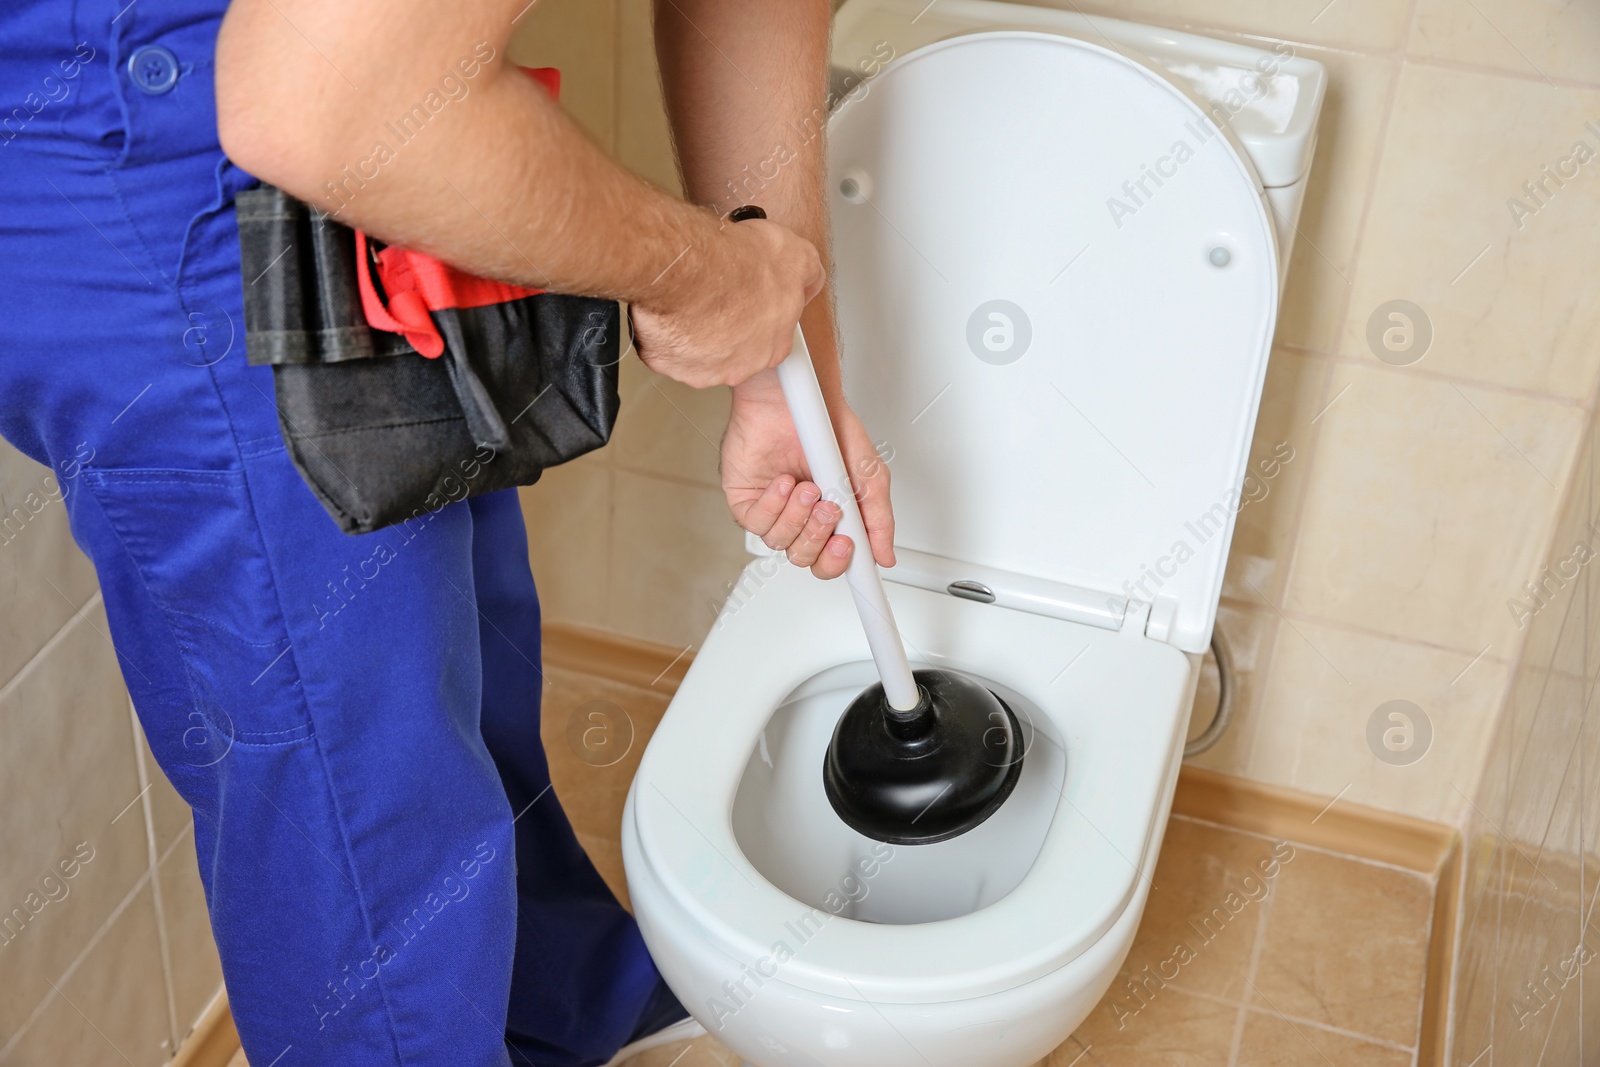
(381, 433)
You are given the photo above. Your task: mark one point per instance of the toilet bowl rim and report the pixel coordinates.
(708, 876)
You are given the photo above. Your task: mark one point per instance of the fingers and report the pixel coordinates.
(792, 520)
(878, 515)
(817, 546)
(835, 557)
(795, 520)
(869, 475)
(762, 515)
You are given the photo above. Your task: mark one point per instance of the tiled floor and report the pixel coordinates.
(1318, 962)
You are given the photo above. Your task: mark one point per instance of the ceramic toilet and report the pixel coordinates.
(1059, 243)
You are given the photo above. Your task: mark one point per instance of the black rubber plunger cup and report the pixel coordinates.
(925, 775)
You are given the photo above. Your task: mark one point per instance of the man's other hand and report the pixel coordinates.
(769, 490)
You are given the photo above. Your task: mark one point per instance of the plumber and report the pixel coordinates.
(346, 772)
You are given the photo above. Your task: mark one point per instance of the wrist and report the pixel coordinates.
(688, 258)
(763, 389)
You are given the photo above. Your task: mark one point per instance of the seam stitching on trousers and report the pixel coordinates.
(327, 773)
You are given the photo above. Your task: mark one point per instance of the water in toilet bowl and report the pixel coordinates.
(786, 828)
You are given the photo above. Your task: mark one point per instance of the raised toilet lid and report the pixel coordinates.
(1057, 284)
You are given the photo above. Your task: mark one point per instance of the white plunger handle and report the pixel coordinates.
(811, 421)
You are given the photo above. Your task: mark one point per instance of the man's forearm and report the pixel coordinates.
(497, 180)
(746, 86)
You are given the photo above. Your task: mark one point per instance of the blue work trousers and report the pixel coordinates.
(355, 720)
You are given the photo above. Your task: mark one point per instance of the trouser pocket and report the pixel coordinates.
(193, 537)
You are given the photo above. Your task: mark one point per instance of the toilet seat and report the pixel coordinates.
(1113, 698)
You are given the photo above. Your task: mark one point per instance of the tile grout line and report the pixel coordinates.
(683, 480)
(1365, 631)
(1296, 1020)
(1353, 1035)
(1397, 868)
(1559, 83)
(1284, 580)
(1583, 777)
(1324, 1027)
(93, 943)
(1250, 972)
(163, 943)
(56, 639)
(1419, 373)
(77, 961)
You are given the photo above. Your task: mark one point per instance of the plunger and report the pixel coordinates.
(921, 756)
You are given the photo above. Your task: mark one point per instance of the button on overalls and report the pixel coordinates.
(355, 720)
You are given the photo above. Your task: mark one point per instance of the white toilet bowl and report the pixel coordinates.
(1067, 394)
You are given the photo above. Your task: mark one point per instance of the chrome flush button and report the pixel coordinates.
(967, 589)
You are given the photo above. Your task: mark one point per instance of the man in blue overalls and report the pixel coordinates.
(388, 879)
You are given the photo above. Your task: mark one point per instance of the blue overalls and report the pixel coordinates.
(355, 720)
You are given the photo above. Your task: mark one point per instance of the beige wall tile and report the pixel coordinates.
(1280, 465)
(114, 1007)
(1322, 689)
(68, 764)
(579, 36)
(675, 551)
(196, 970)
(1537, 38)
(43, 575)
(1336, 190)
(568, 512)
(1459, 146)
(1366, 25)
(644, 140)
(1429, 504)
(667, 428)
